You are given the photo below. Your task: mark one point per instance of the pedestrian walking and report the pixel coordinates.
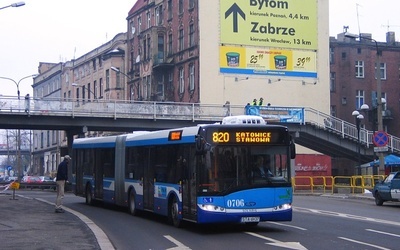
(61, 180)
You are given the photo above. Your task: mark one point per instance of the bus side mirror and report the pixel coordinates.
(292, 150)
(200, 145)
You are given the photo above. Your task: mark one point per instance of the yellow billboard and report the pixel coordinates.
(268, 61)
(270, 23)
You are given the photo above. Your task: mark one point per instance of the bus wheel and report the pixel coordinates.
(89, 199)
(131, 203)
(173, 213)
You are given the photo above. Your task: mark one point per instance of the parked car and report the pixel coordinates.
(31, 179)
(388, 189)
(46, 179)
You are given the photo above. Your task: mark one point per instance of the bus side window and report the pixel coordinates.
(131, 171)
(161, 173)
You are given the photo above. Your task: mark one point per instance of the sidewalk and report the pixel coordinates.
(28, 223)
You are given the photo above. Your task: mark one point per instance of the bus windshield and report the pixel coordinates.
(225, 169)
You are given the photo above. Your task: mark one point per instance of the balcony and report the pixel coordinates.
(161, 62)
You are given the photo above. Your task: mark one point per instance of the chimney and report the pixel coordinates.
(390, 38)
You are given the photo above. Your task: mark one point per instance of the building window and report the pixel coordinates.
(169, 9)
(331, 55)
(107, 79)
(181, 80)
(333, 82)
(133, 28)
(89, 91)
(191, 4)
(171, 81)
(191, 35)
(359, 98)
(148, 20)
(191, 77)
(359, 69)
(181, 40)
(382, 71)
(159, 15)
(333, 110)
(95, 89)
(83, 93)
(343, 55)
(101, 87)
(148, 47)
(148, 87)
(139, 21)
(180, 7)
(160, 48)
(170, 52)
(118, 78)
(160, 87)
(358, 50)
(144, 49)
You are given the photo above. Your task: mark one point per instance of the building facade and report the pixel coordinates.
(163, 51)
(82, 80)
(353, 81)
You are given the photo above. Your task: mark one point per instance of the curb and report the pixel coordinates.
(102, 239)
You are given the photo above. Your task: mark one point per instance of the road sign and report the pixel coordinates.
(381, 138)
(381, 149)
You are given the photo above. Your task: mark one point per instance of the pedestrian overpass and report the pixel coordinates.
(310, 127)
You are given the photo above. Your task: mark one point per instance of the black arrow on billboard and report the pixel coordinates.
(235, 10)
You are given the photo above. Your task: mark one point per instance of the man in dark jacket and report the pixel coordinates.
(61, 179)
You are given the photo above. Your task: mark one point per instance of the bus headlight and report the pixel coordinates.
(212, 208)
(283, 207)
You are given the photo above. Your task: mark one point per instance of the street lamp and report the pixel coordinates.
(358, 117)
(18, 4)
(17, 83)
(378, 90)
(129, 77)
(19, 166)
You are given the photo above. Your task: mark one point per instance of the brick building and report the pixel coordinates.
(353, 81)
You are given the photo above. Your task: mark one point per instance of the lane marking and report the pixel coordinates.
(286, 225)
(381, 232)
(346, 216)
(288, 245)
(363, 243)
(179, 245)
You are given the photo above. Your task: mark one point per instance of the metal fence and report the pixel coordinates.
(173, 110)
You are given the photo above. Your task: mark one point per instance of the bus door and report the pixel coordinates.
(189, 185)
(98, 175)
(148, 179)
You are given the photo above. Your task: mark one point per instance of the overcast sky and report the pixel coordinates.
(54, 30)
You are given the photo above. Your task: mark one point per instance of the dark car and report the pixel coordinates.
(388, 189)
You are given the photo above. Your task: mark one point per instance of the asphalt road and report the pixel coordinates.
(318, 223)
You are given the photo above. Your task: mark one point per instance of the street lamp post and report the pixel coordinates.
(129, 77)
(19, 166)
(358, 117)
(378, 91)
(18, 4)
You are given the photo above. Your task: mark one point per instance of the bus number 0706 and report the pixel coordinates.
(235, 203)
(220, 137)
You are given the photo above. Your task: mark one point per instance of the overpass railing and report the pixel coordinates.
(183, 111)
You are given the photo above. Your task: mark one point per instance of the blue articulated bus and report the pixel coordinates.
(203, 174)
